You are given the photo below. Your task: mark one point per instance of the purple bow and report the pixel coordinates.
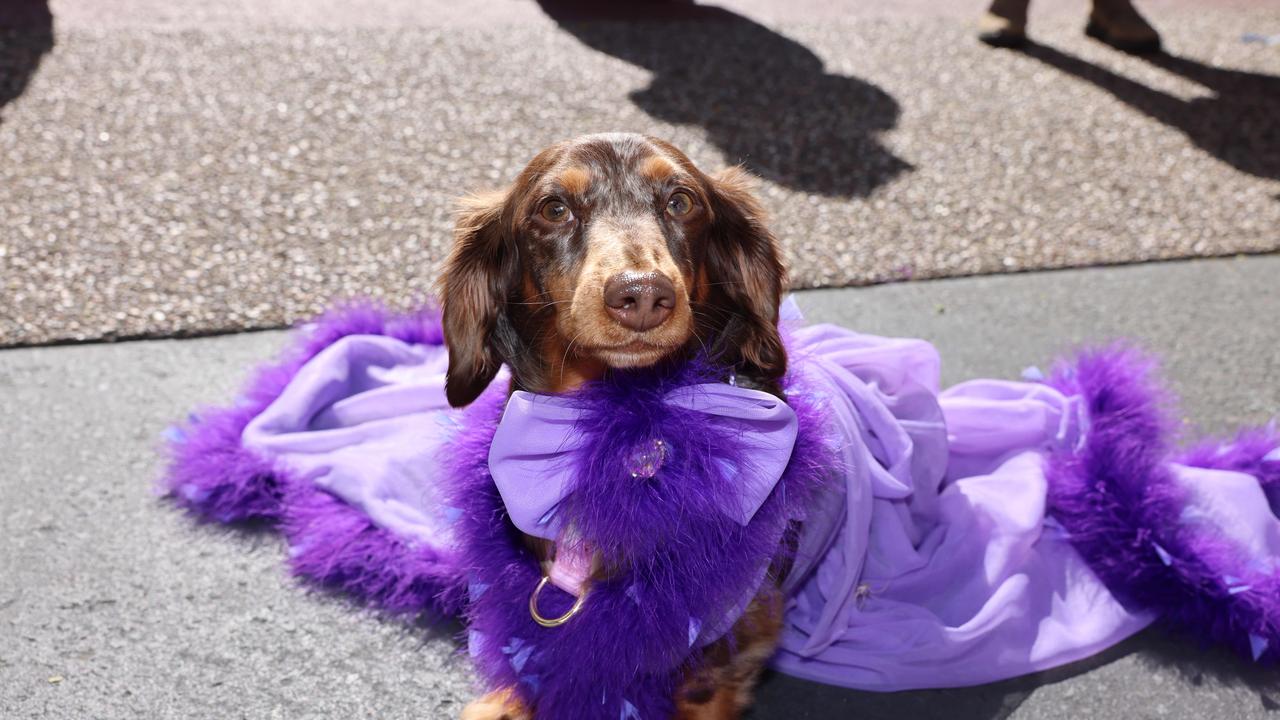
(531, 456)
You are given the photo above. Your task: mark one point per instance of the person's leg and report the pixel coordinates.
(1005, 23)
(1118, 24)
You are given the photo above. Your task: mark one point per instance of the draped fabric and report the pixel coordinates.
(936, 565)
(932, 559)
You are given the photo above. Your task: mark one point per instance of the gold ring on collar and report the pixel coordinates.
(552, 622)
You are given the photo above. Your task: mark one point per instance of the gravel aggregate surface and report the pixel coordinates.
(114, 605)
(184, 167)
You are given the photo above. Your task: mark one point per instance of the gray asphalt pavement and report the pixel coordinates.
(114, 605)
(194, 166)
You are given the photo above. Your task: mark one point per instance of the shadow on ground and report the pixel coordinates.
(783, 696)
(26, 34)
(764, 99)
(1236, 123)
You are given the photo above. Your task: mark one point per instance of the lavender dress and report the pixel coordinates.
(968, 535)
(939, 566)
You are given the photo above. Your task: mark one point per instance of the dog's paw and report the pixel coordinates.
(497, 705)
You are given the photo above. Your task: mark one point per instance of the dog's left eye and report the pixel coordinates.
(555, 211)
(680, 203)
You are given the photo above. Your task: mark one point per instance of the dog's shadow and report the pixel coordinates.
(26, 35)
(1236, 122)
(1153, 650)
(764, 99)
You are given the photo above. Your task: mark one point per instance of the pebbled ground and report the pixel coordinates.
(171, 168)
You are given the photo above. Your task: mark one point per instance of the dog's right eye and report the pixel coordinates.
(555, 211)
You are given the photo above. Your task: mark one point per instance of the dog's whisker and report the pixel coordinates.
(567, 350)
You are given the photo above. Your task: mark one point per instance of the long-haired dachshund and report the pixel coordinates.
(615, 251)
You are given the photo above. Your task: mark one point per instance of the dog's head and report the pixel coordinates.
(610, 251)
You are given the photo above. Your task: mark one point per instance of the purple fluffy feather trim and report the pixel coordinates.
(686, 570)
(332, 544)
(1255, 451)
(1122, 506)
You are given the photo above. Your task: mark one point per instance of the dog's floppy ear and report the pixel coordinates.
(745, 274)
(473, 294)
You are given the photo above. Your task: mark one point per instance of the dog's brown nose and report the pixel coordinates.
(640, 301)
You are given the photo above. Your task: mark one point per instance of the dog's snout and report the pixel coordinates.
(640, 301)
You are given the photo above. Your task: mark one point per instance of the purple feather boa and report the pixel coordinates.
(331, 544)
(1252, 451)
(623, 655)
(1123, 508)
(689, 570)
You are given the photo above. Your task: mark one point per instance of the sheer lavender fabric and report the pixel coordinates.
(936, 565)
(366, 419)
(932, 562)
(530, 464)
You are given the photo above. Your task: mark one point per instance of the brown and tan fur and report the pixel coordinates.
(524, 286)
